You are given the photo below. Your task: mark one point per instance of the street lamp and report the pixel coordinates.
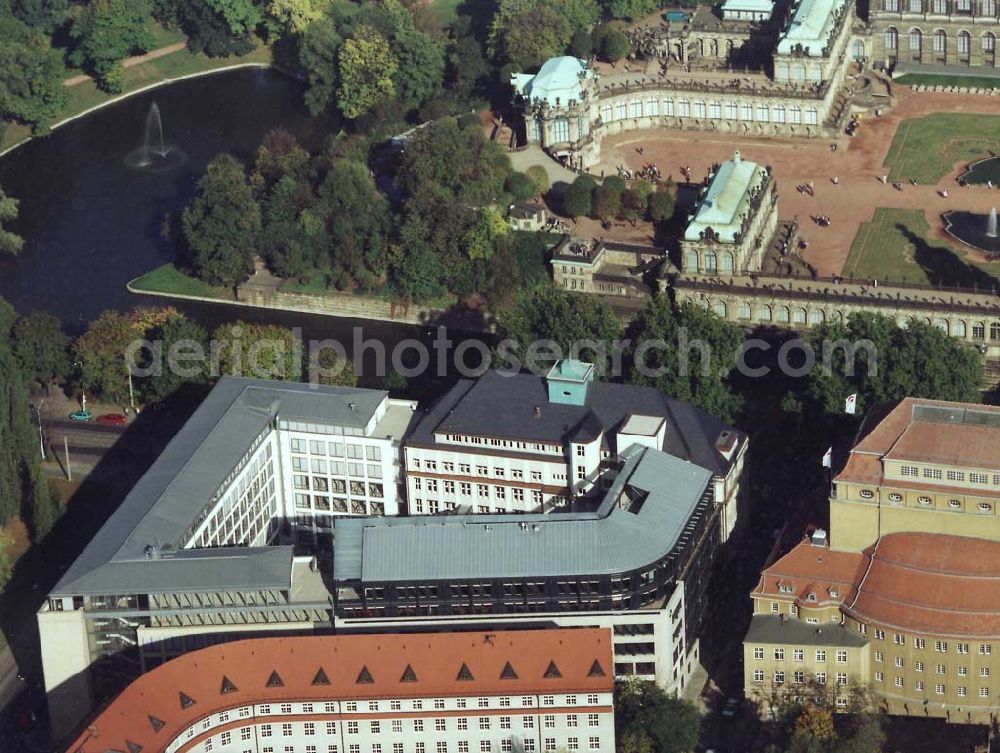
(83, 392)
(41, 438)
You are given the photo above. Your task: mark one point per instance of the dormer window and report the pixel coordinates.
(925, 501)
(985, 507)
(834, 592)
(954, 504)
(866, 494)
(811, 597)
(895, 497)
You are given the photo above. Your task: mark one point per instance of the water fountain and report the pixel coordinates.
(154, 154)
(975, 230)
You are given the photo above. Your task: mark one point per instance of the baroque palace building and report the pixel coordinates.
(904, 598)
(960, 33)
(793, 90)
(528, 691)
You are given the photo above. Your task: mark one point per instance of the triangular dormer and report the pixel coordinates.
(408, 675)
(227, 686)
(508, 672)
(156, 724)
(596, 670)
(275, 681)
(364, 677)
(320, 678)
(464, 674)
(186, 700)
(552, 672)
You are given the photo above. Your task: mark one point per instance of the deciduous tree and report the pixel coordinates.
(699, 357)
(367, 68)
(41, 347)
(31, 74)
(319, 48)
(660, 205)
(577, 200)
(10, 243)
(108, 31)
(222, 224)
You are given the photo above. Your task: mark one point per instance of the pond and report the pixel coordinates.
(91, 214)
(984, 171)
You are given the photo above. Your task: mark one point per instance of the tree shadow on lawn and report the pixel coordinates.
(944, 267)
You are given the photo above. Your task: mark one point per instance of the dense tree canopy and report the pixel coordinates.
(222, 224)
(10, 243)
(889, 362)
(689, 353)
(366, 66)
(565, 318)
(108, 31)
(654, 722)
(41, 347)
(23, 487)
(31, 74)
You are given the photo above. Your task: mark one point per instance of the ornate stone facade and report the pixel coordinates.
(938, 32)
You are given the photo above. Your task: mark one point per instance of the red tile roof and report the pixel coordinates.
(923, 583)
(897, 435)
(162, 703)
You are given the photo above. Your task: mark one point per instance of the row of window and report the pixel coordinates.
(941, 647)
(800, 315)
(350, 450)
(939, 41)
(941, 669)
(941, 7)
(940, 688)
(713, 110)
(440, 724)
(798, 677)
(938, 474)
(798, 654)
(550, 449)
(463, 746)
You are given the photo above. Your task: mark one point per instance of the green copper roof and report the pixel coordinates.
(754, 6)
(727, 199)
(558, 81)
(810, 27)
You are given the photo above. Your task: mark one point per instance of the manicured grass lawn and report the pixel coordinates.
(895, 246)
(928, 148)
(928, 79)
(86, 95)
(169, 279)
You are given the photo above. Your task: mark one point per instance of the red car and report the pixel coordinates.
(112, 419)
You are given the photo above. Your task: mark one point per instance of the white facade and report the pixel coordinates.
(481, 724)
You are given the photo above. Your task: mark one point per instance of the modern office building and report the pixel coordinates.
(923, 465)
(527, 691)
(204, 543)
(733, 221)
(639, 565)
(914, 618)
(527, 443)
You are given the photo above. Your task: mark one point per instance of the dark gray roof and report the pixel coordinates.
(167, 499)
(502, 405)
(774, 629)
(611, 540)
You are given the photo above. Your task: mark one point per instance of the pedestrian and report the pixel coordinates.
(835, 180)
(885, 179)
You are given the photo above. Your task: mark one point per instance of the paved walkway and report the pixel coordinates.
(170, 49)
(858, 163)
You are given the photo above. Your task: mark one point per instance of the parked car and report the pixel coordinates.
(731, 707)
(81, 415)
(112, 419)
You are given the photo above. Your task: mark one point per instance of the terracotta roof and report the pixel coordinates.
(162, 703)
(932, 583)
(924, 583)
(812, 569)
(927, 431)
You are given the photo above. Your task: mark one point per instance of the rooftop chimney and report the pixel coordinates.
(538, 411)
(818, 537)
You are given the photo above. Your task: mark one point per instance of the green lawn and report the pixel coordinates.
(929, 79)
(86, 95)
(895, 246)
(447, 10)
(169, 279)
(928, 148)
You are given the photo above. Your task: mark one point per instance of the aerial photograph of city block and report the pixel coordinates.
(499, 376)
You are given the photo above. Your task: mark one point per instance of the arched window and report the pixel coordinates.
(989, 42)
(892, 6)
(989, 7)
(798, 72)
(781, 71)
(683, 108)
(781, 314)
(958, 328)
(720, 309)
(619, 111)
(964, 42)
(816, 317)
(635, 109)
(978, 331)
(940, 41)
(915, 39)
(652, 106)
(995, 331)
(764, 313)
(668, 107)
(560, 130)
(942, 325)
(711, 262)
(795, 115)
(699, 108)
(715, 110)
(743, 312)
(812, 116)
(799, 316)
(731, 112)
(692, 261)
(778, 113)
(727, 262)
(891, 39)
(606, 112)
(713, 48)
(940, 7)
